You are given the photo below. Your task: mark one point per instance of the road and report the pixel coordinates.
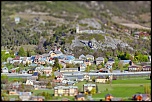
(84, 73)
(100, 74)
(17, 75)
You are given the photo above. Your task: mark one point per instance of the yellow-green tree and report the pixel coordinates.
(93, 91)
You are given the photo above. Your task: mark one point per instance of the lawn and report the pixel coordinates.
(36, 92)
(10, 79)
(125, 87)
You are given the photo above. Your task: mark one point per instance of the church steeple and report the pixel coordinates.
(77, 29)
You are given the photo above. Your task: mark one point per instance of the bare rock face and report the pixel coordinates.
(92, 22)
(94, 44)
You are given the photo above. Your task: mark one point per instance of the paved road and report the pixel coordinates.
(99, 74)
(17, 75)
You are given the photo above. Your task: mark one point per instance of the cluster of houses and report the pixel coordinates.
(64, 84)
(39, 61)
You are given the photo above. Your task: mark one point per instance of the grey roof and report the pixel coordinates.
(90, 56)
(82, 55)
(99, 58)
(65, 87)
(80, 95)
(46, 55)
(57, 52)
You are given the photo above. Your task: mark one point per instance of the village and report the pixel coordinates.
(62, 74)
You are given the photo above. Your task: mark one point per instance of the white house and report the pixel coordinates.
(17, 20)
(29, 82)
(78, 61)
(5, 70)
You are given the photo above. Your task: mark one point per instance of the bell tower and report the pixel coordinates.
(77, 29)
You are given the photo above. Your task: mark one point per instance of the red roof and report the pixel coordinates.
(17, 58)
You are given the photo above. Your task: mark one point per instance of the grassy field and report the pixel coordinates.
(10, 79)
(123, 88)
(36, 92)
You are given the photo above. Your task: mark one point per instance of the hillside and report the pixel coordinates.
(45, 24)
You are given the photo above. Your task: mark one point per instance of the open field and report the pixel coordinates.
(124, 88)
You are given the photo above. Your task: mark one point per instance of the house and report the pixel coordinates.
(108, 97)
(134, 68)
(9, 60)
(104, 70)
(101, 80)
(58, 73)
(17, 60)
(146, 68)
(29, 82)
(108, 65)
(87, 63)
(39, 84)
(69, 70)
(17, 20)
(65, 90)
(90, 57)
(89, 87)
(78, 61)
(5, 70)
(125, 61)
(14, 85)
(141, 97)
(35, 75)
(24, 60)
(55, 53)
(37, 98)
(80, 78)
(31, 71)
(136, 34)
(82, 65)
(86, 77)
(24, 72)
(13, 92)
(33, 65)
(80, 97)
(60, 77)
(25, 96)
(82, 57)
(14, 70)
(47, 70)
(12, 99)
(110, 60)
(99, 60)
(32, 58)
(149, 57)
(39, 69)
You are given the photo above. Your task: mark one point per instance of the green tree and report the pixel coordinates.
(28, 53)
(93, 91)
(4, 79)
(97, 90)
(87, 69)
(56, 65)
(106, 60)
(120, 65)
(21, 52)
(147, 89)
(99, 66)
(70, 65)
(49, 86)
